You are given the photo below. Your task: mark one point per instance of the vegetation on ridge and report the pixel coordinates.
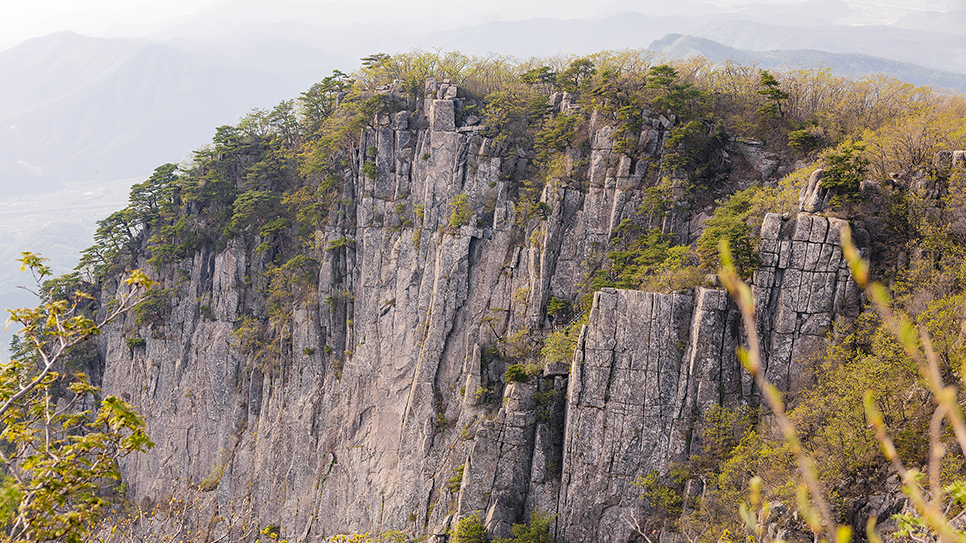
(61, 440)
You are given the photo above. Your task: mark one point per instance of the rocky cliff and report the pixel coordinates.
(388, 406)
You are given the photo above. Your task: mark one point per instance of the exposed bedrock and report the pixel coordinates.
(388, 387)
(649, 365)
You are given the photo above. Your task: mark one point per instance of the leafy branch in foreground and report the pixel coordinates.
(932, 507)
(61, 444)
(817, 513)
(932, 502)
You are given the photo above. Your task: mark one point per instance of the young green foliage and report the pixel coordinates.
(674, 96)
(695, 150)
(729, 224)
(460, 213)
(57, 454)
(517, 373)
(536, 531)
(560, 345)
(844, 171)
(469, 530)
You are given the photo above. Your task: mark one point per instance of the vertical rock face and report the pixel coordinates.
(648, 366)
(802, 286)
(624, 411)
(360, 421)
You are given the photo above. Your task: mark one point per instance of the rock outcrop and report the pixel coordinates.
(386, 407)
(649, 365)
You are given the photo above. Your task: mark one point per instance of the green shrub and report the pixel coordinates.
(545, 398)
(832, 414)
(154, 307)
(578, 75)
(453, 484)
(337, 243)
(805, 140)
(755, 455)
(540, 208)
(664, 499)
(638, 257)
(134, 342)
(482, 392)
(783, 198)
(516, 373)
(729, 222)
(470, 530)
(695, 149)
(561, 344)
(678, 271)
(506, 117)
(274, 226)
(558, 307)
(774, 96)
(251, 208)
(722, 429)
(537, 531)
(459, 213)
(845, 168)
(369, 169)
(658, 200)
(677, 97)
(556, 135)
(392, 536)
(248, 338)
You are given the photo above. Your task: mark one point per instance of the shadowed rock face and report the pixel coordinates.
(388, 384)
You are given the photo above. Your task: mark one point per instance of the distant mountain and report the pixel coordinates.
(811, 13)
(678, 46)
(377, 20)
(951, 22)
(548, 37)
(77, 109)
(932, 49)
(814, 24)
(540, 36)
(83, 118)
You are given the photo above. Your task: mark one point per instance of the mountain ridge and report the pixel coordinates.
(680, 46)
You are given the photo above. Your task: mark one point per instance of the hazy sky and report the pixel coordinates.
(31, 18)
(24, 19)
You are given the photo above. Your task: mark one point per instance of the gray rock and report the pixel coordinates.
(771, 226)
(813, 196)
(959, 159)
(400, 121)
(442, 116)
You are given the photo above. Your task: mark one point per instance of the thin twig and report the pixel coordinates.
(751, 359)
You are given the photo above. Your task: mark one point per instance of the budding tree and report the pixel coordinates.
(60, 441)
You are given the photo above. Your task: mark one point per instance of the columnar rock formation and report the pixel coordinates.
(389, 389)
